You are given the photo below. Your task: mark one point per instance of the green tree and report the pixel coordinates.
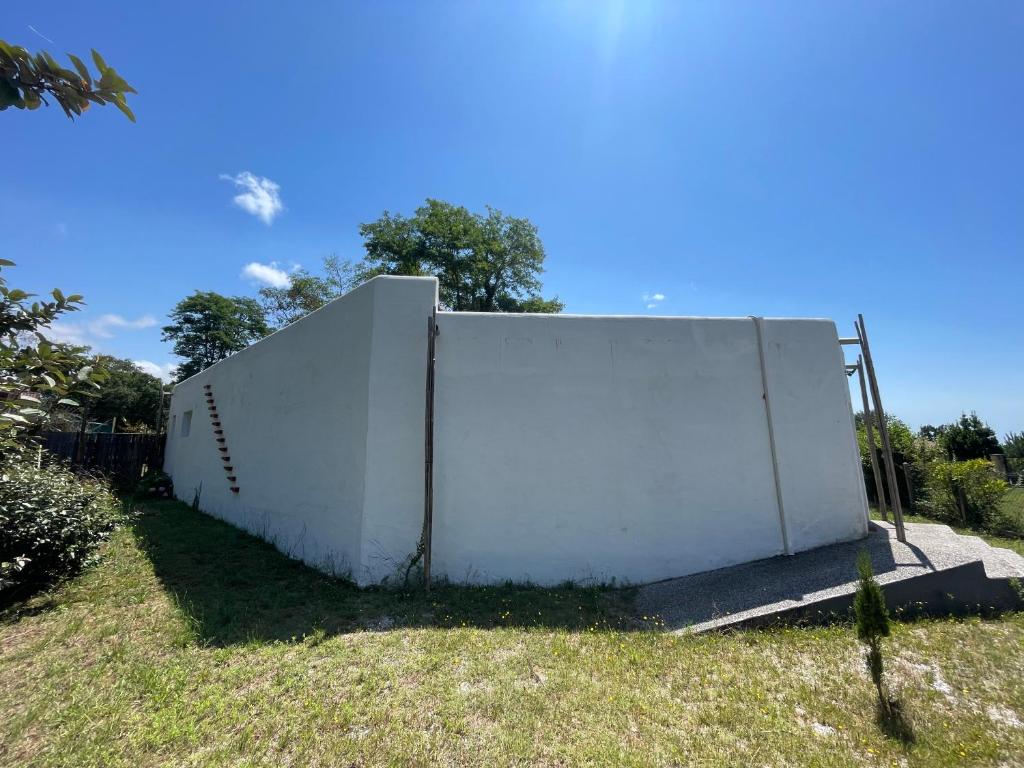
(26, 81)
(1013, 445)
(207, 327)
(307, 292)
(969, 438)
(872, 623)
(128, 394)
(484, 263)
(37, 376)
(931, 433)
(901, 438)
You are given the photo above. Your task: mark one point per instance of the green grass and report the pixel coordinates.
(1011, 509)
(194, 644)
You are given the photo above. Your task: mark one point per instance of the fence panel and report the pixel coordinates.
(124, 456)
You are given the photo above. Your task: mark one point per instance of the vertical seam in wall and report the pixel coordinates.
(358, 565)
(758, 327)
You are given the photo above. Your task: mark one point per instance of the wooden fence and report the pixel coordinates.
(123, 456)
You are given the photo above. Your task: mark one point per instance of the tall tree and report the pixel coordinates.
(969, 438)
(484, 263)
(932, 433)
(26, 81)
(1013, 445)
(207, 327)
(307, 292)
(128, 394)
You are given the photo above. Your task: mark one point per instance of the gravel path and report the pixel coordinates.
(726, 596)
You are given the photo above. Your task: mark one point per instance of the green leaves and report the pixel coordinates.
(207, 327)
(101, 65)
(484, 263)
(26, 81)
(38, 375)
(52, 520)
(966, 493)
(83, 71)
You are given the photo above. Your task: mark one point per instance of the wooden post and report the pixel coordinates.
(160, 411)
(79, 457)
(999, 464)
(870, 430)
(883, 431)
(910, 486)
(428, 452)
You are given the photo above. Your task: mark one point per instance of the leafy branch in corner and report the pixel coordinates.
(26, 80)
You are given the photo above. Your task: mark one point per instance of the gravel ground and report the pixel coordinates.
(727, 596)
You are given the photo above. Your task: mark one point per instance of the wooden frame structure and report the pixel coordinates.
(865, 370)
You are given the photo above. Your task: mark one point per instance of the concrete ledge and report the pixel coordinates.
(938, 572)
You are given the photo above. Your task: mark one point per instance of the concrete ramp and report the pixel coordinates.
(937, 571)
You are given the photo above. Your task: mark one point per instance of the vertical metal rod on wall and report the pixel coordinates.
(879, 486)
(883, 431)
(428, 451)
(758, 321)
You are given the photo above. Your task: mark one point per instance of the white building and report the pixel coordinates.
(588, 448)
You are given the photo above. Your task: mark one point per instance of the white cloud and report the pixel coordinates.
(163, 372)
(260, 196)
(66, 333)
(652, 300)
(102, 327)
(271, 274)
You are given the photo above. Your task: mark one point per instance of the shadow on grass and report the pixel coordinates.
(893, 722)
(236, 588)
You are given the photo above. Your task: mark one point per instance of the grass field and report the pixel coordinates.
(194, 644)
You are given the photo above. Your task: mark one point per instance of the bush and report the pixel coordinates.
(51, 521)
(974, 483)
(872, 622)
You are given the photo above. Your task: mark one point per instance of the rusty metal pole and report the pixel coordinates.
(428, 451)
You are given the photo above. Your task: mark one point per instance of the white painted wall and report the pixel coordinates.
(634, 448)
(302, 411)
(566, 447)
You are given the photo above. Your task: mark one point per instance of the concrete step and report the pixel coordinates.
(1000, 563)
(1013, 561)
(936, 571)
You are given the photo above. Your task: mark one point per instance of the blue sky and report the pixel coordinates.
(783, 159)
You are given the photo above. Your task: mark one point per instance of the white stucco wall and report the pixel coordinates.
(634, 448)
(566, 447)
(303, 410)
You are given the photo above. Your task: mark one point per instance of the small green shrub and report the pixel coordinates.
(51, 522)
(966, 493)
(872, 622)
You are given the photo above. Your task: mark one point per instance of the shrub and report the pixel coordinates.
(965, 492)
(51, 521)
(872, 622)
